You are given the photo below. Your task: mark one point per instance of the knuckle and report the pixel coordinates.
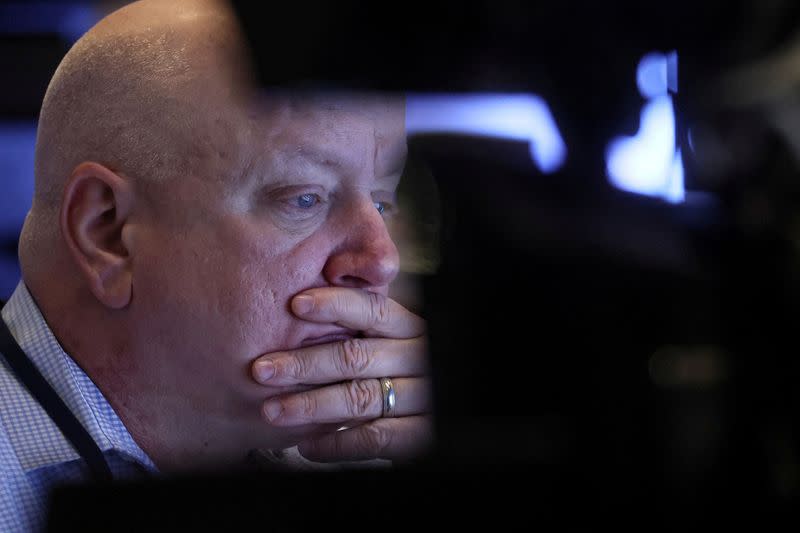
(296, 367)
(379, 309)
(340, 304)
(375, 439)
(337, 445)
(361, 394)
(354, 357)
(308, 406)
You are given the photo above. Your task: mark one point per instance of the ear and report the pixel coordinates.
(95, 211)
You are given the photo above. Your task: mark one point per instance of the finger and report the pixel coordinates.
(339, 361)
(356, 400)
(374, 314)
(270, 391)
(385, 438)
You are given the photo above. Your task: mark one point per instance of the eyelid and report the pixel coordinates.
(390, 208)
(294, 191)
(384, 196)
(283, 202)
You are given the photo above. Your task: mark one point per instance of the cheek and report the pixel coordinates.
(225, 290)
(269, 277)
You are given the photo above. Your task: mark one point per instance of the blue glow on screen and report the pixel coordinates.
(17, 144)
(676, 191)
(9, 276)
(648, 163)
(651, 75)
(68, 19)
(672, 71)
(522, 117)
(641, 163)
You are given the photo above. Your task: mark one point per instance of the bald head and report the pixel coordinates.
(132, 92)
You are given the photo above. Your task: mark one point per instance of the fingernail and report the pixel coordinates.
(264, 370)
(272, 410)
(303, 304)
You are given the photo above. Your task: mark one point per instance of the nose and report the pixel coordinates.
(366, 257)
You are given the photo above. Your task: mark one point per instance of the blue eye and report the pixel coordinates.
(381, 207)
(307, 200)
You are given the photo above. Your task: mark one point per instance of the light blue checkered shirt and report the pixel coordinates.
(34, 455)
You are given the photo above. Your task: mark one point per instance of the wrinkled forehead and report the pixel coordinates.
(334, 129)
(383, 112)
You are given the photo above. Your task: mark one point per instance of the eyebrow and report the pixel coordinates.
(327, 159)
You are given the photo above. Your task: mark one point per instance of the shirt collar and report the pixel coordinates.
(75, 388)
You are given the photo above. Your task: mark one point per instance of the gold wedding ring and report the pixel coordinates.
(387, 390)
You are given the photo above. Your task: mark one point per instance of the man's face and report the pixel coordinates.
(290, 196)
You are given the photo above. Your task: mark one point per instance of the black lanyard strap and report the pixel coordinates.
(42, 392)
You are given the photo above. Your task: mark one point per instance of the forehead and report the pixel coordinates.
(348, 131)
